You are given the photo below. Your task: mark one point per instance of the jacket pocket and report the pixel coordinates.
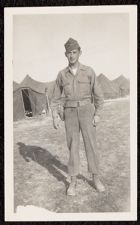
(66, 88)
(65, 84)
(84, 87)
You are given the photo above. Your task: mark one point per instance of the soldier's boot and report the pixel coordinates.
(71, 191)
(98, 184)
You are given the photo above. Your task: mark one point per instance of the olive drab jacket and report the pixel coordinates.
(82, 87)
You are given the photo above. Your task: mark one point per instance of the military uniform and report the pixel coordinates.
(83, 99)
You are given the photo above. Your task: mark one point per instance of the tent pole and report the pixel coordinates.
(46, 93)
(23, 103)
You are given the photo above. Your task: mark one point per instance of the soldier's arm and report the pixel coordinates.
(98, 96)
(56, 100)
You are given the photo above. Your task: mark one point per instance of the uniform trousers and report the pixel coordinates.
(81, 119)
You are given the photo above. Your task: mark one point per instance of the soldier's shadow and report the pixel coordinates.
(44, 158)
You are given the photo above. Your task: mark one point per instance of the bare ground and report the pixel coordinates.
(41, 155)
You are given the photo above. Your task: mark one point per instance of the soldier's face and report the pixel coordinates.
(73, 56)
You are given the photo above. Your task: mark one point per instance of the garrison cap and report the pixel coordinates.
(71, 44)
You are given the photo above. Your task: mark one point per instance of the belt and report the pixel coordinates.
(76, 103)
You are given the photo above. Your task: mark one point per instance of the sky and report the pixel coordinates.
(38, 44)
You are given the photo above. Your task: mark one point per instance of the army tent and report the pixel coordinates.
(123, 85)
(18, 106)
(38, 86)
(15, 85)
(109, 90)
(29, 98)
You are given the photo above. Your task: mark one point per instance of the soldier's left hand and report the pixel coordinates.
(56, 124)
(96, 120)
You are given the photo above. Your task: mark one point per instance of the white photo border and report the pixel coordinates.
(8, 98)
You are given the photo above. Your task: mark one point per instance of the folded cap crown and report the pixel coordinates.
(71, 44)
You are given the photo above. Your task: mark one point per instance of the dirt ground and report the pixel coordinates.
(40, 164)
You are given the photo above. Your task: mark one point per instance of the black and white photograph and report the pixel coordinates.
(70, 113)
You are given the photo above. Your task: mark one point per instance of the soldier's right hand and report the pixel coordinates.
(56, 123)
(56, 119)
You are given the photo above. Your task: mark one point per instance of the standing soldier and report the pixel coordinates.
(81, 112)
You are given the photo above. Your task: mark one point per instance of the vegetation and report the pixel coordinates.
(41, 155)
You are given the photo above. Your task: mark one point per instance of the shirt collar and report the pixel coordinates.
(80, 67)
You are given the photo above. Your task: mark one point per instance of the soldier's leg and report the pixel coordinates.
(88, 130)
(73, 136)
